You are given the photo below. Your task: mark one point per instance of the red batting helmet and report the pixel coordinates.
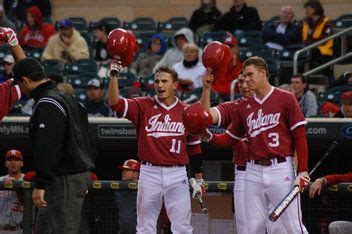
(216, 56)
(14, 154)
(196, 119)
(346, 96)
(122, 43)
(130, 164)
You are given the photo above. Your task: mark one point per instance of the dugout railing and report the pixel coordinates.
(100, 212)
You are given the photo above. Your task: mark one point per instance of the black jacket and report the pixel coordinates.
(58, 129)
(247, 19)
(97, 109)
(200, 17)
(290, 37)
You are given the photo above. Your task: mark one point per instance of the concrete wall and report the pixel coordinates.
(127, 10)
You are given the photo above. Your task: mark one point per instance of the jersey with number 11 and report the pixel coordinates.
(162, 138)
(268, 124)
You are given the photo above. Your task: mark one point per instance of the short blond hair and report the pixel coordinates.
(190, 46)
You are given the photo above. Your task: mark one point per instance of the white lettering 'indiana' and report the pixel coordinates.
(262, 123)
(164, 128)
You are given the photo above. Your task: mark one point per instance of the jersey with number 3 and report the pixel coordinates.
(162, 138)
(268, 124)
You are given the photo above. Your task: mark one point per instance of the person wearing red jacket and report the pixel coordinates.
(336, 226)
(9, 94)
(36, 33)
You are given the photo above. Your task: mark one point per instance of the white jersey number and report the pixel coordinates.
(274, 139)
(175, 146)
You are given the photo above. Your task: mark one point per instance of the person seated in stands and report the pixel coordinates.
(67, 45)
(175, 54)
(240, 17)
(95, 104)
(145, 62)
(346, 106)
(36, 33)
(8, 62)
(126, 199)
(284, 34)
(4, 21)
(305, 97)
(203, 19)
(335, 227)
(101, 32)
(316, 26)
(18, 8)
(190, 70)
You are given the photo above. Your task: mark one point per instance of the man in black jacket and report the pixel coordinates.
(63, 153)
(240, 17)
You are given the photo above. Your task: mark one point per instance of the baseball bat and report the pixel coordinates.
(198, 196)
(295, 191)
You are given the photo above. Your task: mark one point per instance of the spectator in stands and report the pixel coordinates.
(126, 199)
(315, 188)
(65, 88)
(175, 54)
(190, 70)
(101, 33)
(11, 202)
(67, 45)
(19, 8)
(36, 33)
(305, 97)
(284, 34)
(222, 84)
(203, 19)
(8, 62)
(316, 26)
(4, 21)
(240, 17)
(286, 87)
(346, 106)
(95, 104)
(145, 62)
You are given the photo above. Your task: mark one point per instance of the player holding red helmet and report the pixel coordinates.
(163, 148)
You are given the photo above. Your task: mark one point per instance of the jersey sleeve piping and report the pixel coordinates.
(298, 124)
(232, 136)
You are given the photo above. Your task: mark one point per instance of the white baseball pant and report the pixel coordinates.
(239, 201)
(163, 183)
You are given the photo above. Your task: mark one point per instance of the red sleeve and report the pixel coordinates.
(300, 139)
(339, 178)
(193, 145)
(221, 140)
(236, 130)
(294, 116)
(9, 95)
(225, 112)
(129, 108)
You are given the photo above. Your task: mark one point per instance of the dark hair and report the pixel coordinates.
(103, 26)
(316, 5)
(28, 67)
(258, 62)
(168, 70)
(57, 78)
(301, 77)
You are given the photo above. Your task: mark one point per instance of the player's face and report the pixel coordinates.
(347, 108)
(94, 94)
(297, 85)
(254, 77)
(129, 175)
(13, 165)
(164, 86)
(243, 87)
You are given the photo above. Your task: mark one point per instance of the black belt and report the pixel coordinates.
(240, 168)
(12, 228)
(160, 165)
(267, 162)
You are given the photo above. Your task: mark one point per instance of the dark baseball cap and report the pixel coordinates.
(65, 23)
(28, 67)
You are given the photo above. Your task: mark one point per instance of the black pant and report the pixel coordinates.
(65, 198)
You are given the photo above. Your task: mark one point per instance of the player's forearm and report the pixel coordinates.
(300, 139)
(17, 52)
(205, 99)
(113, 93)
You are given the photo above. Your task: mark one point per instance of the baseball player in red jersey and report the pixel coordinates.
(222, 116)
(275, 129)
(163, 148)
(9, 94)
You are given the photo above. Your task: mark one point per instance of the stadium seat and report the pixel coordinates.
(143, 24)
(126, 79)
(89, 37)
(35, 53)
(211, 36)
(333, 94)
(81, 66)
(4, 50)
(173, 24)
(79, 23)
(275, 20)
(344, 21)
(53, 66)
(81, 95)
(80, 80)
(143, 39)
(249, 40)
(113, 22)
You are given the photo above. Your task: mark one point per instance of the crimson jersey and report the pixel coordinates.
(268, 124)
(9, 95)
(162, 138)
(226, 111)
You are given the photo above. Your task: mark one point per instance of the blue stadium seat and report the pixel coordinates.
(211, 36)
(89, 37)
(35, 53)
(275, 20)
(53, 66)
(79, 23)
(333, 94)
(126, 79)
(4, 50)
(344, 21)
(248, 41)
(143, 39)
(173, 24)
(143, 24)
(81, 95)
(113, 22)
(80, 80)
(81, 66)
